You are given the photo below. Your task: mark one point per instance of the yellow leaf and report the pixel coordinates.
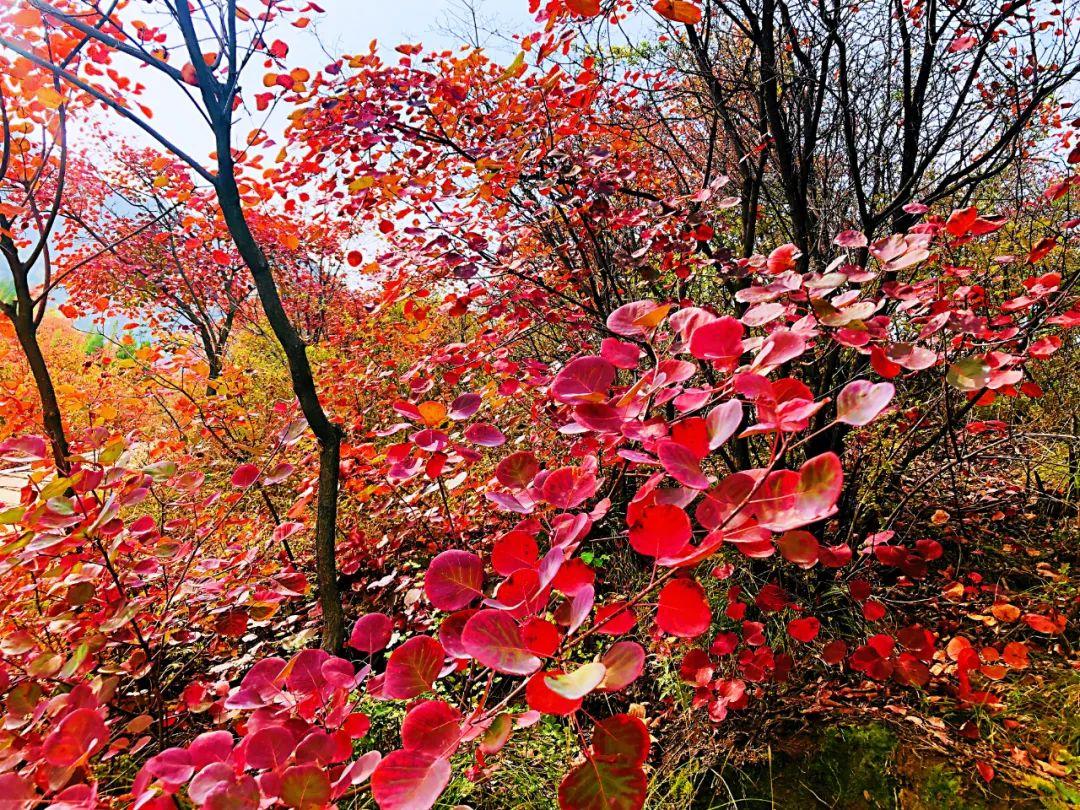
(362, 183)
(514, 69)
(49, 97)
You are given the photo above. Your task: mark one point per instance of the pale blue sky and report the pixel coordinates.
(347, 26)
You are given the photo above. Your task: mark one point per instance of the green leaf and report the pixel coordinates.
(968, 375)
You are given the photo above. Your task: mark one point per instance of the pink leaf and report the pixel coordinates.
(620, 353)
(625, 662)
(625, 320)
(244, 476)
(585, 379)
(723, 421)
(569, 487)
(407, 780)
(851, 239)
(484, 434)
(371, 632)
(964, 43)
(780, 347)
(577, 684)
(454, 579)
(681, 464)
(464, 406)
(861, 401)
(493, 638)
(23, 448)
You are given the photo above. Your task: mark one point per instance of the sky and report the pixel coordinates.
(347, 26)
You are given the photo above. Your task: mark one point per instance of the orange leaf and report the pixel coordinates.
(432, 413)
(1045, 624)
(653, 317)
(584, 8)
(678, 11)
(1005, 612)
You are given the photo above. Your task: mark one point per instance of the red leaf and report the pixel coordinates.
(804, 629)
(517, 470)
(960, 221)
(834, 652)
(413, 667)
(541, 637)
(269, 748)
(407, 780)
(614, 619)
(882, 364)
(433, 728)
(799, 547)
(80, 734)
(599, 785)
(1041, 248)
(450, 633)
(584, 8)
(493, 638)
(661, 530)
(717, 340)
(783, 258)
(244, 476)
(454, 579)
(371, 632)
(543, 699)
(621, 738)
(513, 551)
(683, 610)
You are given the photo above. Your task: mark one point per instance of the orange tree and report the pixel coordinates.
(592, 373)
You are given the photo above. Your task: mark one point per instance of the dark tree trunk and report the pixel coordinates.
(303, 383)
(52, 422)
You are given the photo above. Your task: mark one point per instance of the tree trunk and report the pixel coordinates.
(303, 383)
(51, 420)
